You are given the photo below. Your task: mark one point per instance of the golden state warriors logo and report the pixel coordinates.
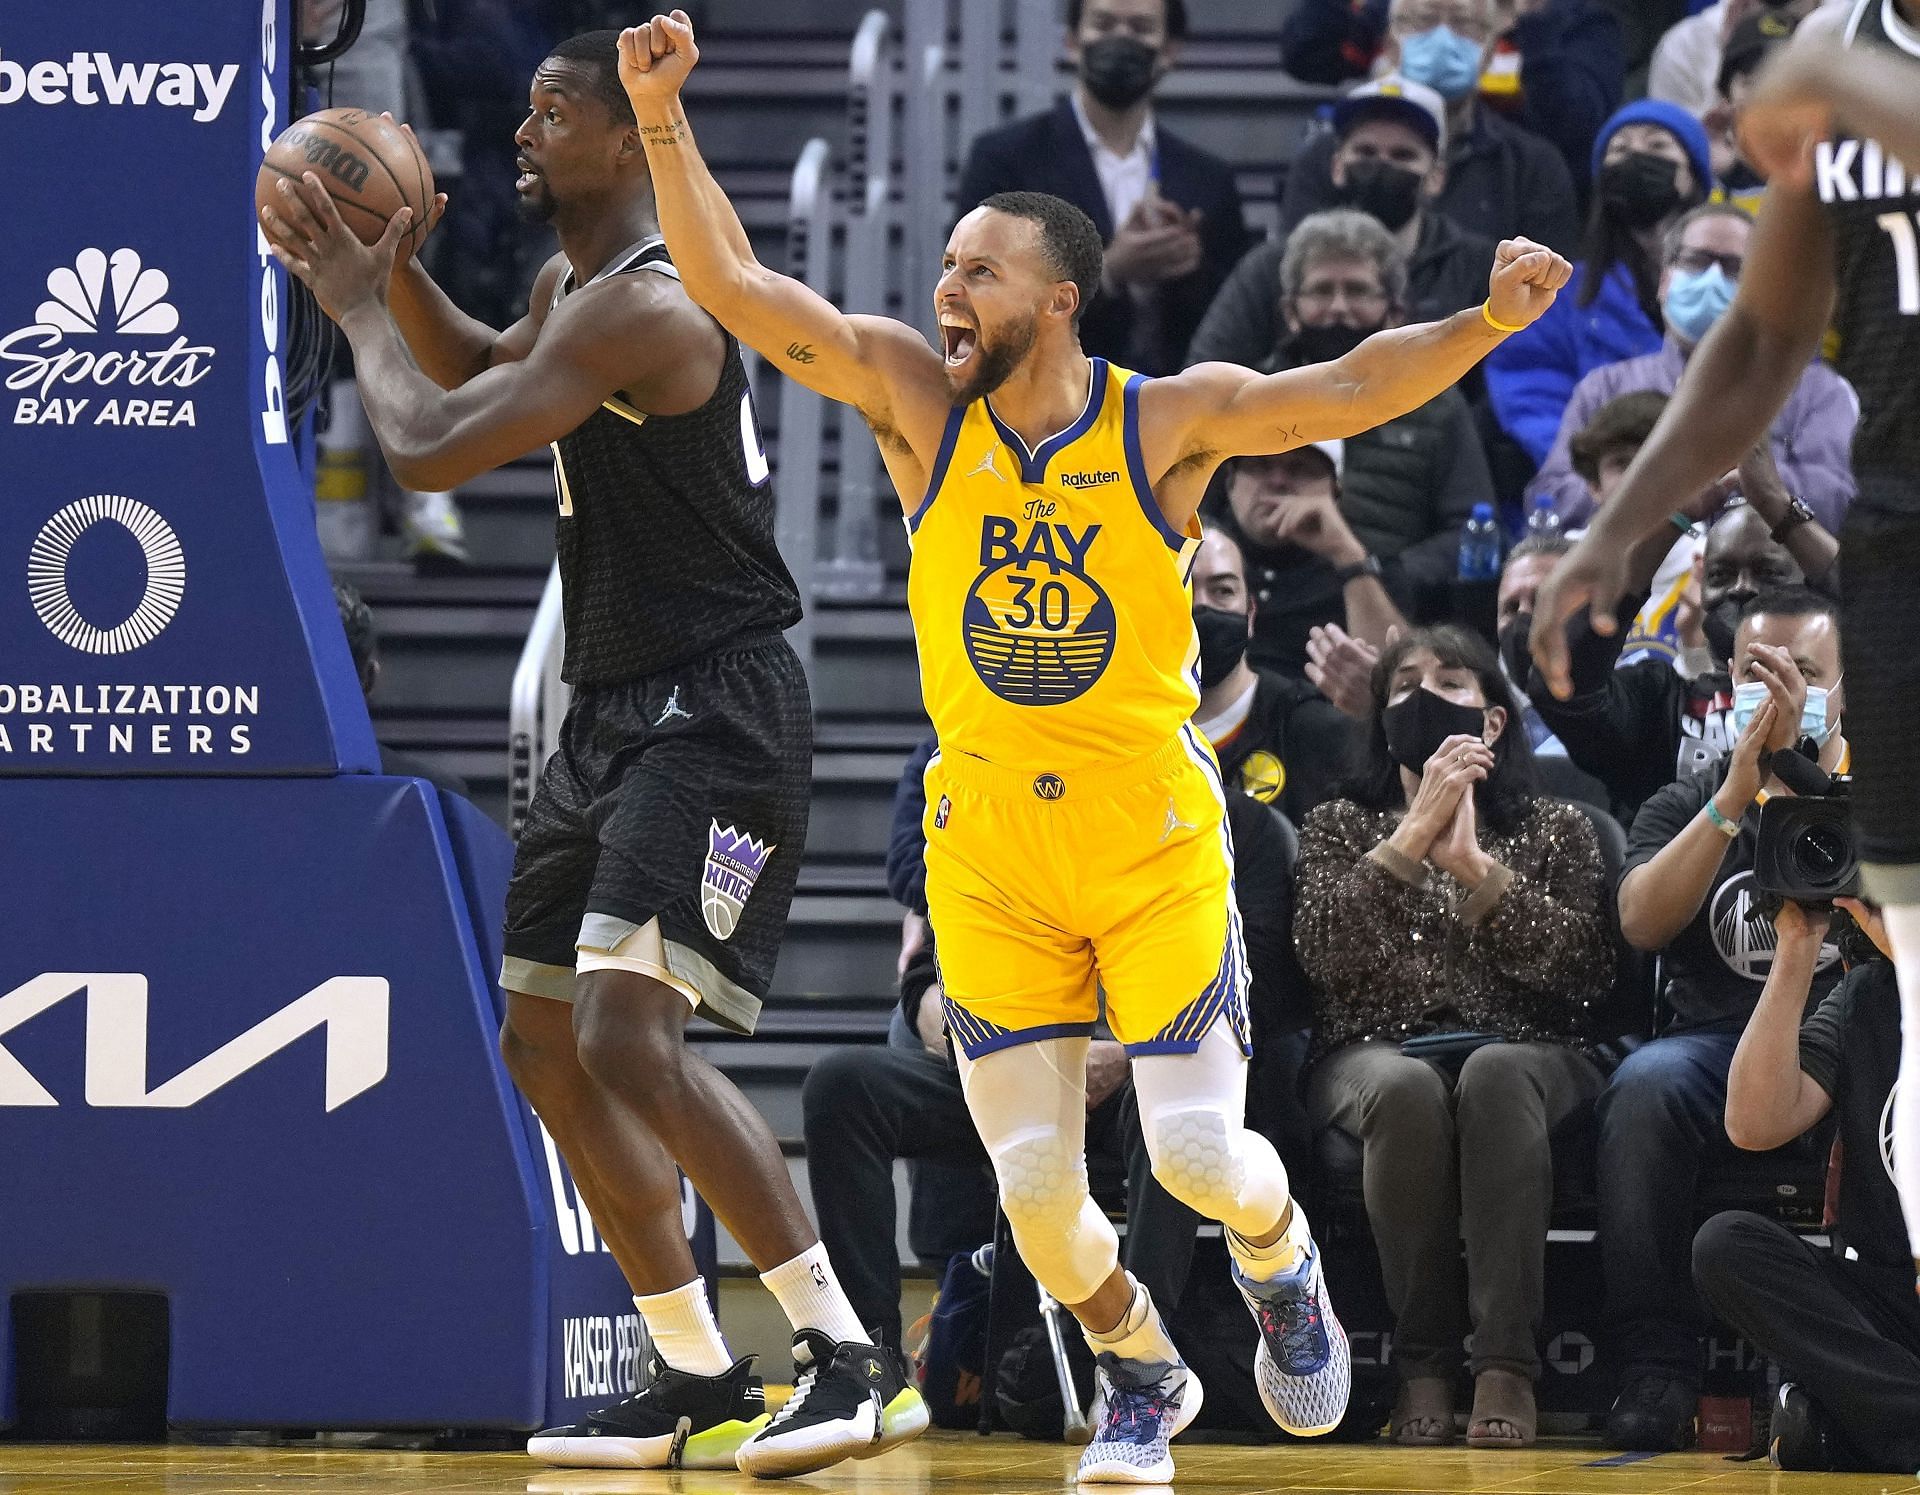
(1263, 776)
(1038, 628)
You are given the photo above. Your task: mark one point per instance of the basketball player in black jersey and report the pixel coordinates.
(653, 878)
(1835, 124)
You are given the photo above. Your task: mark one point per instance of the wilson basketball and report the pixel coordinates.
(370, 166)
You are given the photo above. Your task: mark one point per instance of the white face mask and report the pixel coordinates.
(1813, 715)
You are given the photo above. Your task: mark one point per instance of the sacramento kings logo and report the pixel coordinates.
(1038, 629)
(734, 863)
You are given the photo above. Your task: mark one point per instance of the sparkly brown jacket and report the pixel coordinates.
(1396, 947)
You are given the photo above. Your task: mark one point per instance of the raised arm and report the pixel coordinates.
(1214, 410)
(860, 361)
(1817, 87)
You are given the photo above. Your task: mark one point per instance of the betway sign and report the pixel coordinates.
(353, 1011)
(85, 78)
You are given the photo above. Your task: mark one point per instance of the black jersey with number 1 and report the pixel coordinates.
(1873, 202)
(666, 535)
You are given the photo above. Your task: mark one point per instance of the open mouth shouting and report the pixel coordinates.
(960, 337)
(529, 174)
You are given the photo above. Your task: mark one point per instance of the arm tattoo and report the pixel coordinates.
(672, 133)
(801, 352)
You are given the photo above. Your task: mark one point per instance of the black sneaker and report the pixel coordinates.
(678, 1422)
(1801, 1435)
(1652, 1414)
(849, 1401)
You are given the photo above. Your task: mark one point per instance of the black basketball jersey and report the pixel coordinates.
(666, 525)
(1873, 202)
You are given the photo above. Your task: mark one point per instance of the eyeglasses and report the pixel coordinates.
(1696, 261)
(1469, 22)
(1356, 293)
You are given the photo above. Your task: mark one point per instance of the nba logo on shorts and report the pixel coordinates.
(941, 812)
(734, 863)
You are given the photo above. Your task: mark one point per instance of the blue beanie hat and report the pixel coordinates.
(1676, 121)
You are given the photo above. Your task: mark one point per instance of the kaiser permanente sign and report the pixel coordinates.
(162, 595)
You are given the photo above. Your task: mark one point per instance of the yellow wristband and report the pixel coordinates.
(1486, 310)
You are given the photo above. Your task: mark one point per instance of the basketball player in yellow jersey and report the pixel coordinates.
(1075, 831)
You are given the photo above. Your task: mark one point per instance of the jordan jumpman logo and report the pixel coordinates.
(1174, 822)
(673, 710)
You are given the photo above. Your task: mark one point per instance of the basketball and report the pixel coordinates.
(371, 168)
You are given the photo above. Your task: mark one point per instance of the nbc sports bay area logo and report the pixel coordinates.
(104, 349)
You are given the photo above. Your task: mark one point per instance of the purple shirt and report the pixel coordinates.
(1811, 435)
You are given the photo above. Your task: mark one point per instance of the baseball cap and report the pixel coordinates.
(1333, 449)
(1756, 36)
(1401, 99)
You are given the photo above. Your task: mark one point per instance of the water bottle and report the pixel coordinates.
(1545, 522)
(1480, 546)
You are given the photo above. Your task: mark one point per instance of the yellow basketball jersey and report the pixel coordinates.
(1049, 595)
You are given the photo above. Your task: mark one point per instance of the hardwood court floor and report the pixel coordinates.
(947, 1462)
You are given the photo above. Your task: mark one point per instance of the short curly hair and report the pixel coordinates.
(1343, 234)
(1623, 424)
(1067, 236)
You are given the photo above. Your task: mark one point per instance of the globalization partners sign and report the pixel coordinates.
(161, 594)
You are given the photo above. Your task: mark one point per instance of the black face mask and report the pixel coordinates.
(1514, 653)
(1418, 725)
(1118, 70)
(1223, 643)
(1389, 193)
(1639, 190)
(1324, 344)
(1721, 622)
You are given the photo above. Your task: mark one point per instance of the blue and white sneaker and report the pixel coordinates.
(1139, 1406)
(1302, 1366)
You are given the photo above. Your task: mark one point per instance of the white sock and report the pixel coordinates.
(1140, 1335)
(681, 1325)
(1903, 928)
(812, 1298)
(1277, 1258)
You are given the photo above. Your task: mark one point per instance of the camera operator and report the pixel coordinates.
(1843, 1324)
(1688, 892)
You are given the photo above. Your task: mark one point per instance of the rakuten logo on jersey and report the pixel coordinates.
(104, 349)
(95, 78)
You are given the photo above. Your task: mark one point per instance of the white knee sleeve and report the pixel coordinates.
(1198, 1158)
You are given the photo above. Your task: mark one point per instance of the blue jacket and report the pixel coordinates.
(1531, 376)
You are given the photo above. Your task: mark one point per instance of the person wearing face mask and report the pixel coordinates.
(1527, 565)
(1169, 212)
(1454, 923)
(1504, 172)
(1405, 487)
(1389, 162)
(1703, 254)
(1651, 163)
(1688, 892)
(1639, 727)
(1276, 738)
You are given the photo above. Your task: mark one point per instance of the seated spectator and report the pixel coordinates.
(1752, 42)
(1503, 177)
(1405, 487)
(1842, 1323)
(1686, 64)
(1389, 162)
(1169, 212)
(1529, 564)
(1688, 892)
(1277, 738)
(1650, 165)
(1638, 727)
(1703, 255)
(363, 642)
(1304, 563)
(1454, 925)
(864, 1106)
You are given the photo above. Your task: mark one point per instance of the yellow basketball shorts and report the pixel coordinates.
(1046, 891)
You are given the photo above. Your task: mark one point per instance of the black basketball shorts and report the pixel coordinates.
(680, 797)
(1880, 645)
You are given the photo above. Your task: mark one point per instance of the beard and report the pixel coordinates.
(536, 206)
(994, 362)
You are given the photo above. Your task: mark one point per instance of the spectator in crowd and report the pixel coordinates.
(1389, 161)
(363, 642)
(1686, 63)
(864, 1106)
(1169, 212)
(1529, 564)
(1304, 562)
(1651, 164)
(1504, 176)
(1277, 738)
(1639, 727)
(1405, 487)
(1842, 1323)
(1704, 253)
(1688, 892)
(1454, 925)
(1753, 41)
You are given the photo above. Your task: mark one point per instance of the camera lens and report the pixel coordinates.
(1822, 853)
